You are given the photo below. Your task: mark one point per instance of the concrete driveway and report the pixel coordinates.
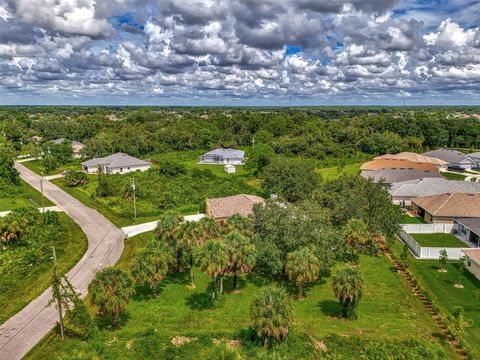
(21, 332)
(133, 230)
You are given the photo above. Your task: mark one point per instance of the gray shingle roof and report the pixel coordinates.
(227, 153)
(115, 161)
(446, 154)
(472, 223)
(397, 175)
(432, 186)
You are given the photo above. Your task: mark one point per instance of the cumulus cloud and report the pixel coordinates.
(237, 49)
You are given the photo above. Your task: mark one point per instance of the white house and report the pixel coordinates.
(118, 163)
(77, 147)
(471, 161)
(472, 261)
(223, 156)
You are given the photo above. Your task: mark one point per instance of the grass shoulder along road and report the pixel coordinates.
(17, 196)
(21, 290)
(389, 314)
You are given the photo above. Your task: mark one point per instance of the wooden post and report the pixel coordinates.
(59, 302)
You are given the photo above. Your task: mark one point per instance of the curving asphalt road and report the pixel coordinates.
(22, 331)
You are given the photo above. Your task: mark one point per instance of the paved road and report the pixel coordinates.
(150, 226)
(105, 245)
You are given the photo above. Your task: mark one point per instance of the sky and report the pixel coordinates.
(240, 52)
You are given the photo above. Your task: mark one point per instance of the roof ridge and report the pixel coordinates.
(444, 202)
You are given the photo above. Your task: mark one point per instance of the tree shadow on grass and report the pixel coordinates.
(330, 308)
(104, 322)
(182, 278)
(144, 293)
(200, 301)
(228, 284)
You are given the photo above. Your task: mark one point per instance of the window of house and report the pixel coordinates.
(121, 169)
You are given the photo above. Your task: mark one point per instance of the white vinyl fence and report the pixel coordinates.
(427, 228)
(422, 252)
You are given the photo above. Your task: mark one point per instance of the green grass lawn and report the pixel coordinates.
(407, 219)
(438, 240)
(388, 312)
(440, 287)
(333, 173)
(15, 197)
(69, 251)
(453, 176)
(37, 167)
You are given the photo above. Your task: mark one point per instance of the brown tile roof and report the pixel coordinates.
(451, 204)
(381, 164)
(414, 157)
(225, 207)
(473, 254)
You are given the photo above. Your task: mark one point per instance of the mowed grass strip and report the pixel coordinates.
(70, 250)
(439, 240)
(388, 310)
(15, 197)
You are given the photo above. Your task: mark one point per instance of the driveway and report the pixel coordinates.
(152, 225)
(22, 331)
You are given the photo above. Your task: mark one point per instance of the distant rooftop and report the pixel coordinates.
(413, 157)
(380, 164)
(225, 207)
(227, 153)
(432, 186)
(390, 176)
(451, 204)
(446, 155)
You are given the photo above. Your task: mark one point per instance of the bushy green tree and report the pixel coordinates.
(271, 314)
(75, 178)
(258, 158)
(443, 260)
(292, 179)
(348, 289)
(110, 291)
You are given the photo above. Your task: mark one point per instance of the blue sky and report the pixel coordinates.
(242, 52)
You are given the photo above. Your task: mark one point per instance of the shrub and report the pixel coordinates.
(76, 178)
(171, 169)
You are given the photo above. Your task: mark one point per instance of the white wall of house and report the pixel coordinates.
(90, 169)
(472, 266)
(128, 169)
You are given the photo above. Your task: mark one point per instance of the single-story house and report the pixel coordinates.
(390, 176)
(414, 157)
(471, 161)
(223, 156)
(472, 261)
(381, 164)
(77, 147)
(444, 208)
(118, 163)
(223, 207)
(468, 229)
(453, 157)
(403, 192)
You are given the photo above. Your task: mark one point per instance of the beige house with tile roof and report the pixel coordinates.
(414, 157)
(444, 208)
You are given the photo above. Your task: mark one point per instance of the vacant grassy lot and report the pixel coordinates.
(407, 219)
(333, 173)
(388, 312)
(438, 240)
(70, 248)
(440, 287)
(14, 197)
(37, 167)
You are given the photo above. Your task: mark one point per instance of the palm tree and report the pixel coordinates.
(241, 255)
(110, 291)
(10, 230)
(190, 238)
(167, 230)
(356, 235)
(151, 266)
(271, 313)
(208, 228)
(213, 260)
(302, 266)
(242, 224)
(348, 288)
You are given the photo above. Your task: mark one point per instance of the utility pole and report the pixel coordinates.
(134, 201)
(56, 292)
(43, 200)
